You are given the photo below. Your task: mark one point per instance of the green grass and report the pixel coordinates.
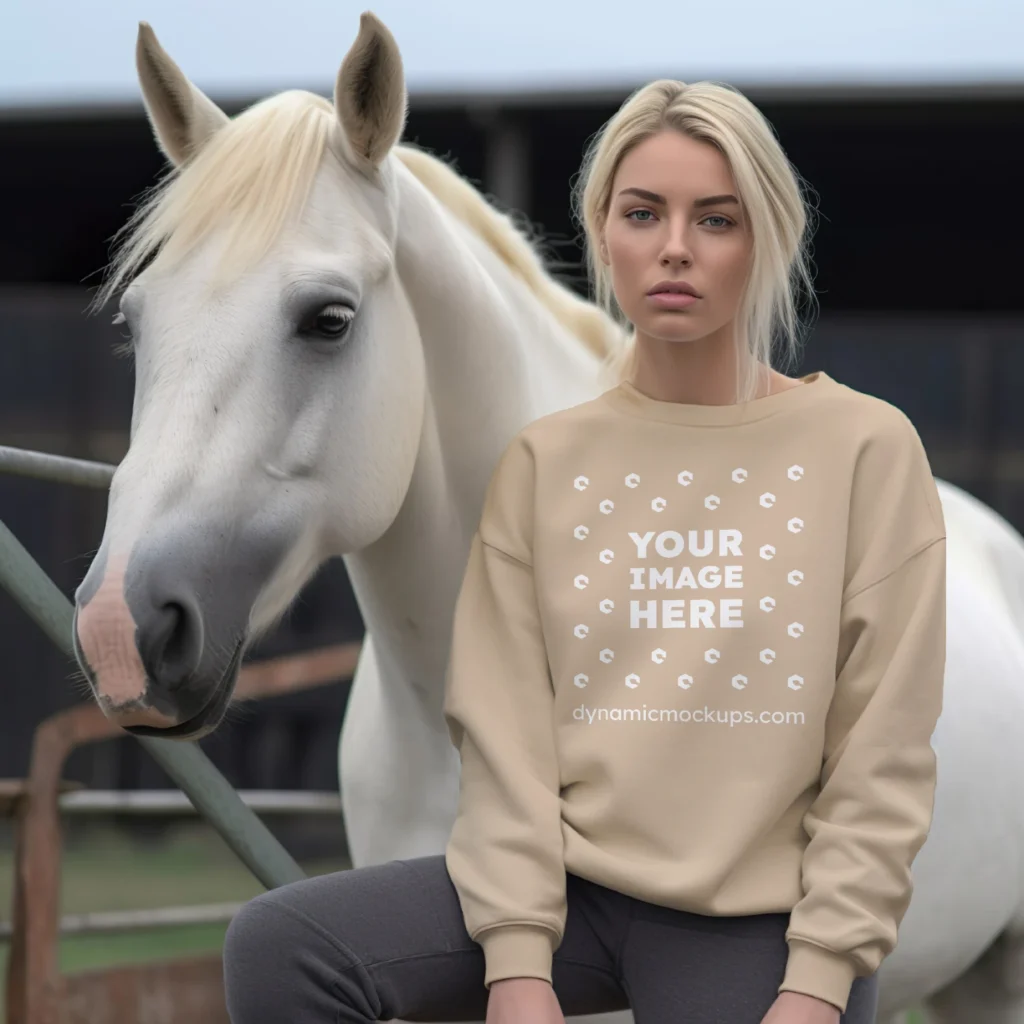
(107, 872)
(85, 952)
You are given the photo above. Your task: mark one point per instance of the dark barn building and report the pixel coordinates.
(921, 302)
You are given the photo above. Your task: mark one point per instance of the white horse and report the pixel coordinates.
(380, 334)
(961, 944)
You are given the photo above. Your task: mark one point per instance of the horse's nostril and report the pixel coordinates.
(176, 640)
(171, 644)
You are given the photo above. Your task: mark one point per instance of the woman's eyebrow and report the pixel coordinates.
(644, 194)
(716, 200)
(654, 197)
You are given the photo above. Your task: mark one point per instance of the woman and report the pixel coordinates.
(696, 663)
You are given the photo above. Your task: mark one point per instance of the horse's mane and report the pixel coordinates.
(259, 169)
(497, 229)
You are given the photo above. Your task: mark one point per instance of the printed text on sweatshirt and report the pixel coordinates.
(698, 657)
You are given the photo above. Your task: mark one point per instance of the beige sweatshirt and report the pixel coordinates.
(698, 657)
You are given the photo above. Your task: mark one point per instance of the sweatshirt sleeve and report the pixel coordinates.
(504, 854)
(874, 808)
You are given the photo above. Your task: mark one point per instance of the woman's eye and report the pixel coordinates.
(724, 222)
(632, 215)
(331, 322)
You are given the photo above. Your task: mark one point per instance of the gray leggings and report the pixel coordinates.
(389, 941)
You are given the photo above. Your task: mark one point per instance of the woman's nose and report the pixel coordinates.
(676, 248)
(676, 256)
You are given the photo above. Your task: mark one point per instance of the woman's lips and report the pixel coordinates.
(672, 300)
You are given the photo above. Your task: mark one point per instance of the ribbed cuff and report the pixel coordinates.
(818, 972)
(517, 951)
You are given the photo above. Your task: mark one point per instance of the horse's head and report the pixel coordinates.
(267, 323)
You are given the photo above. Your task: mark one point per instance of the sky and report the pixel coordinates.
(71, 52)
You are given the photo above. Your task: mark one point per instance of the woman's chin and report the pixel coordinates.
(678, 333)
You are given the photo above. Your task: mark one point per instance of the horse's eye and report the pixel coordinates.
(331, 322)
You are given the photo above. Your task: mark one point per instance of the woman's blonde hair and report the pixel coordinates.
(769, 189)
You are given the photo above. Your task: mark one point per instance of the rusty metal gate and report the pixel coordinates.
(172, 992)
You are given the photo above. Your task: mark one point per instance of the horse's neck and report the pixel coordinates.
(495, 360)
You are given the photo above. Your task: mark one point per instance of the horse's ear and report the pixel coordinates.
(181, 116)
(369, 94)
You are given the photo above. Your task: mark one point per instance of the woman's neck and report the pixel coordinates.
(696, 372)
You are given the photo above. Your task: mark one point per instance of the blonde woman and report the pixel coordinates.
(697, 658)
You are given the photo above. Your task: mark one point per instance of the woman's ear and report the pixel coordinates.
(602, 244)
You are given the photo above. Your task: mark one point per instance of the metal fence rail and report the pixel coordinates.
(150, 802)
(208, 790)
(57, 468)
(96, 922)
(91, 802)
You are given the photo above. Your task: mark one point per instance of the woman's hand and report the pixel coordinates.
(523, 1001)
(796, 1008)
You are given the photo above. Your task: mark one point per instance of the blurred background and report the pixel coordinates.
(905, 117)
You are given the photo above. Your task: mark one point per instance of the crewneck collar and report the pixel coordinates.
(626, 398)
